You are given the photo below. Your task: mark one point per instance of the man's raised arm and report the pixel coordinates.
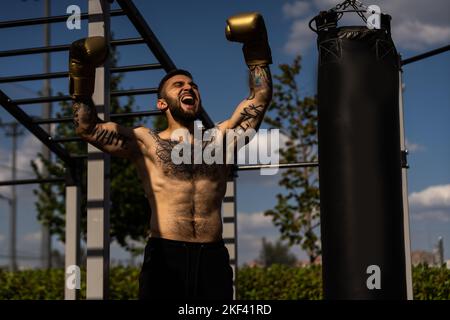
(84, 57)
(249, 29)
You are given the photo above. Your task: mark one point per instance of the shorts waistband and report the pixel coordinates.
(178, 243)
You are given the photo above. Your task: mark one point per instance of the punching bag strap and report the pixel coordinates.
(325, 20)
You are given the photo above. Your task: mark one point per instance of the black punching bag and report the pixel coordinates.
(363, 251)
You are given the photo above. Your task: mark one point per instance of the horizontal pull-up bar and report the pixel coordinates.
(278, 165)
(426, 55)
(31, 181)
(54, 19)
(119, 93)
(64, 74)
(134, 92)
(112, 116)
(64, 47)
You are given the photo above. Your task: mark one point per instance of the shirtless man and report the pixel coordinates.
(185, 256)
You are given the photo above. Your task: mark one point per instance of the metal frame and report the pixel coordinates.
(425, 55)
(54, 19)
(154, 45)
(32, 124)
(65, 74)
(98, 172)
(406, 230)
(98, 271)
(64, 47)
(278, 165)
(118, 93)
(37, 131)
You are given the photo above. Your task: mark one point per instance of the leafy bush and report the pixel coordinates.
(276, 282)
(279, 282)
(431, 283)
(49, 284)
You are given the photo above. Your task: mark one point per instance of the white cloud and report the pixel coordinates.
(27, 150)
(414, 147)
(417, 35)
(437, 215)
(301, 38)
(296, 9)
(326, 4)
(255, 221)
(252, 227)
(432, 197)
(249, 247)
(432, 203)
(416, 24)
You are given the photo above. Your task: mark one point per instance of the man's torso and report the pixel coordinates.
(185, 199)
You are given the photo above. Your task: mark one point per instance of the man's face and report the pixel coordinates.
(182, 97)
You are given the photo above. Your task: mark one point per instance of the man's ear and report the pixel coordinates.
(162, 104)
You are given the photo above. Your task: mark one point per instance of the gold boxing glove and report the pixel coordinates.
(85, 55)
(249, 28)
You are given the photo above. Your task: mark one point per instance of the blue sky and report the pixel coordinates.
(193, 35)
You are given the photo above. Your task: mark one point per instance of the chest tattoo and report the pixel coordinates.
(184, 171)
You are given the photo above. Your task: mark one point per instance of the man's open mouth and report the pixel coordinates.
(188, 100)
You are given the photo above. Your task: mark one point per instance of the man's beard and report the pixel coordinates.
(179, 113)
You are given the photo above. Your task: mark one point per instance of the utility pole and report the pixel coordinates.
(12, 264)
(12, 130)
(439, 252)
(46, 243)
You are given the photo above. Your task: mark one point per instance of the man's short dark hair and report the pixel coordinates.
(169, 75)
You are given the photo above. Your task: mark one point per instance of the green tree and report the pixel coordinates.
(275, 253)
(296, 213)
(129, 212)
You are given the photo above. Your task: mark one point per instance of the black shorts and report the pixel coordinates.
(185, 270)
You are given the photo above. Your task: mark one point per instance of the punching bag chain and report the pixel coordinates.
(358, 6)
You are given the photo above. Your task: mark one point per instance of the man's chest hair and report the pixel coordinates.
(185, 171)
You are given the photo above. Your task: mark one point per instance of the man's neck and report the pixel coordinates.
(174, 125)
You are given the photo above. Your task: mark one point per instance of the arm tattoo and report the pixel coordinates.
(249, 113)
(251, 86)
(109, 137)
(76, 121)
(259, 78)
(85, 119)
(84, 116)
